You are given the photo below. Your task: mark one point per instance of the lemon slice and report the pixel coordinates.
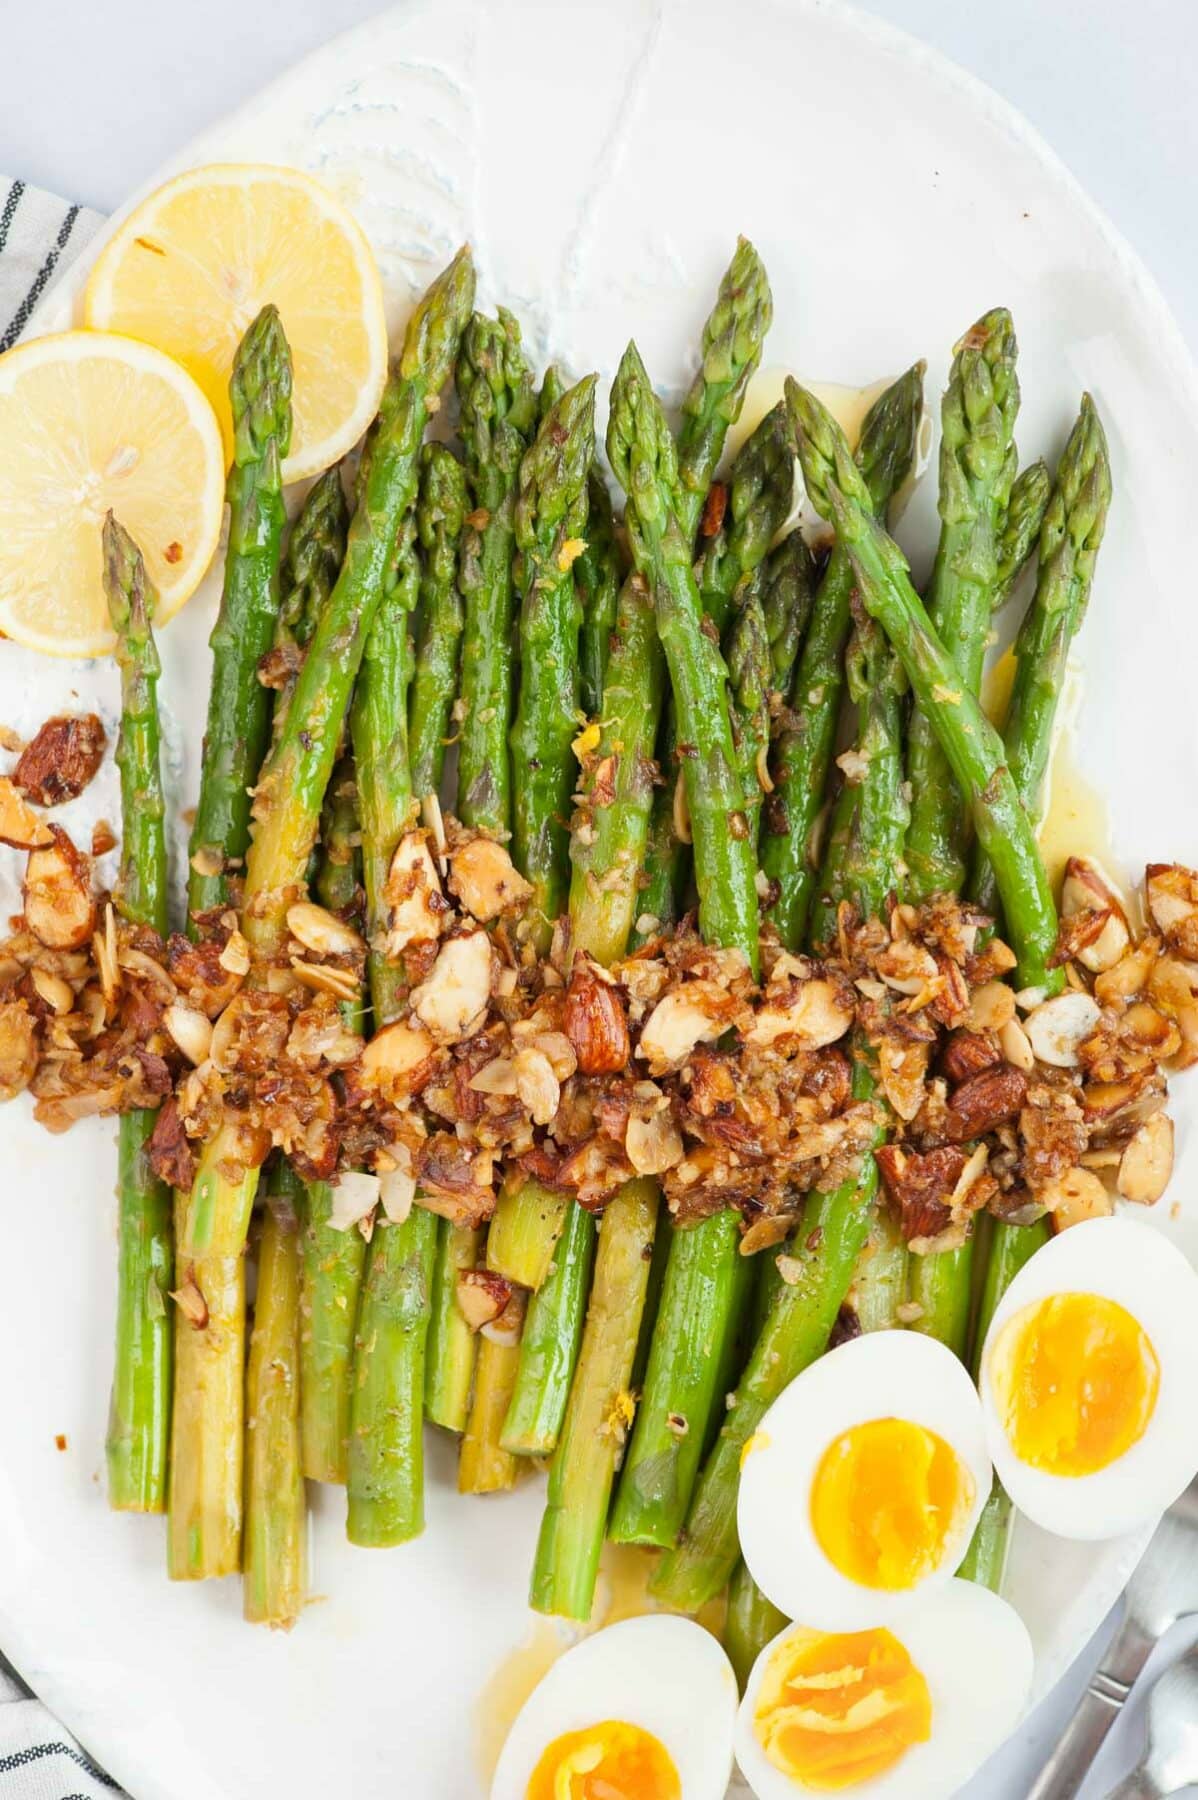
(192, 265)
(90, 421)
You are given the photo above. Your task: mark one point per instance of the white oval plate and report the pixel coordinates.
(601, 157)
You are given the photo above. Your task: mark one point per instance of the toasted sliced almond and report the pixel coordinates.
(1056, 1027)
(1173, 985)
(536, 1084)
(235, 957)
(326, 978)
(19, 824)
(452, 1003)
(653, 1144)
(413, 892)
(57, 994)
(321, 931)
(396, 1057)
(495, 1077)
(397, 1187)
(1084, 889)
(991, 1006)
(1147, 1162)
(1172, 892)
(675, 1026)
(1016, 1046)
(484, 878)
(1076, 1195)
(60, 909)
(191, 1031)
(354, 1195)
(815, 1013)
(481, 1296)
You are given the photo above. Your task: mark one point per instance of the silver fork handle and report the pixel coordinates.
(1062, 1776)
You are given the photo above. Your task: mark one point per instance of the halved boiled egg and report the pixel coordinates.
(1088, 1377)
(906, 1713)
(864, 1481)
(645, 1709)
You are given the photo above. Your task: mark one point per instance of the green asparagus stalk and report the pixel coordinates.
(804, 753)
(729, 354)
(139, 1412)
(977, 469)
(485, 1466)
(449, 1363)
(749, 1625)
(788, 596)
(1020, 533)
(314, 554)
(827, 1245)
(498, 414)
(287, 814)
(239, 707)
(440, 514)
(597, 575)
(1069, 541)
(747, 655)
(331, 1261)
(1012, 1246)
(695, 1313)
(603, 906)
(384, 1467)
(974, 750)
(552, 1334)
(276, 1521)
(550, 515)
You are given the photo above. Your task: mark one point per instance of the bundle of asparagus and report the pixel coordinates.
(664, 986)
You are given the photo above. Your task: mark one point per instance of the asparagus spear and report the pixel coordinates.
(552, 1334)
(750, 1623)
(804, 753)
(974, 750)
(332, 1262)
(287, 813)
(440, 512)
(747, 655)
(788, 595)
(498, 412)
(384, 1467)
(314, 554)
(1012, 1246)
(204, 1525)
(276, 1520)
(451, 1349)
(759, 497)
(695, 1310)
(139, 1413)
(1020, 533)
(1069, 542)
(603, 909)
(977, 468)
(597, 576)
(550, 512)
(235, 736)
(828, 1242)
(550, 515)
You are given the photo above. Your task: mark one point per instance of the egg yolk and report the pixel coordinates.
(888, 1498)
(608, 1761)
(837, 1709)
(1076, 1382)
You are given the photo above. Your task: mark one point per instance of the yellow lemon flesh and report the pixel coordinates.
(192, 266)
(89, 422)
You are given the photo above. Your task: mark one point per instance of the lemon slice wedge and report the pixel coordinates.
(89, 421)
(192, 265)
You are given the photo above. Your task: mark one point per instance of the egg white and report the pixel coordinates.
(974, 1651)
(663, 1673)
(886, 1374)
(1135, 1265)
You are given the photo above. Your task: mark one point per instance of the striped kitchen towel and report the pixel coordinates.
(39, 236)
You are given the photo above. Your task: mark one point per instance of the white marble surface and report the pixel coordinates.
(96, 97)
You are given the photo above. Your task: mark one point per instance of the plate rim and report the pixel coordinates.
(57, 306)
